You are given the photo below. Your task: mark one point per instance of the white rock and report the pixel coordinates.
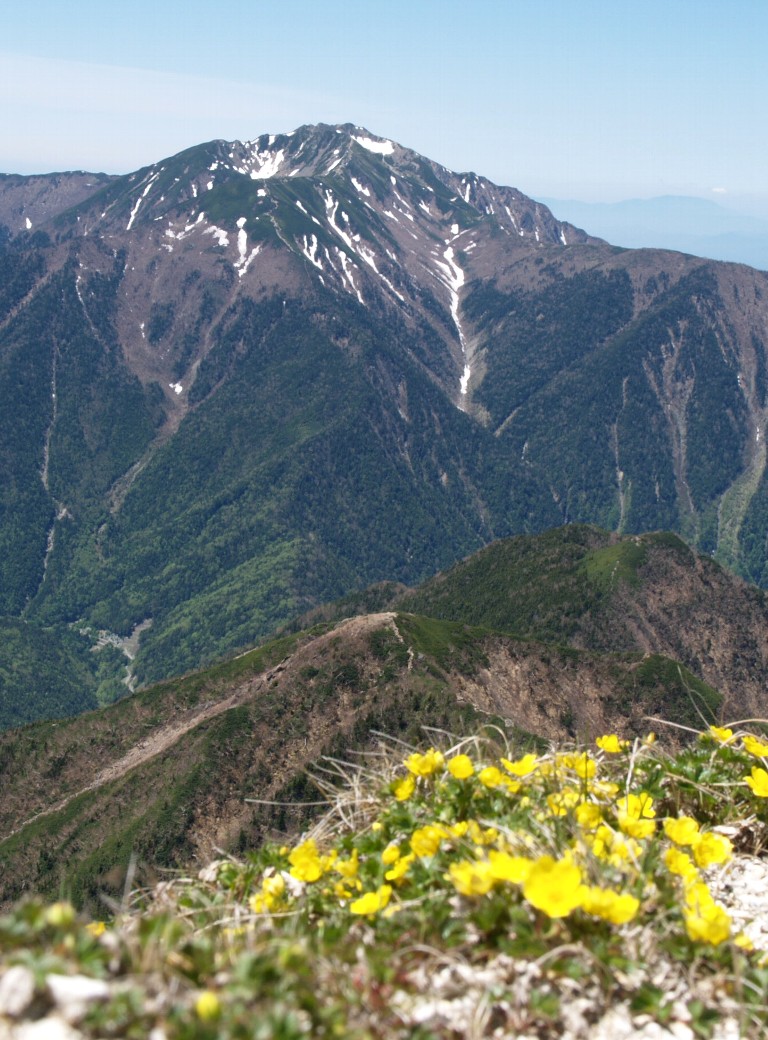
(50, 1028)
(73, 994)
(17, 991)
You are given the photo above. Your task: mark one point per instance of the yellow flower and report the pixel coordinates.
(424, 765)
(426, 840)
(96, 928)
(207, 1006)
(705, 921)
(372, 902)
(589, 816)
(405, 788)
(348, 867)
(480, 836)
(635, 815)
(460, 767)
(561, 801)
(758, 781)
(391, 854)
(611, 906)
(710, 849)
(582, 764)
(306, 863)
(458, 830)
(613, 847)
(720, 733)
(611, 744)
(471, 877)
(680, 863)
(755, 746)
(683, 831)
(271, 895)
(504, 867)
(491, 776)
(400, 868)
(554, 886)
(522, 767)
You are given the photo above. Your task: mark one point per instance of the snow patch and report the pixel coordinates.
(361, 188)
(331, 206)
(245, 259)
(141, 198)
(269, 164)
(221, 236)
(453, 278)
(346, 263)
(310, 251)
(379, 147)
(176, 387)
(28, 223)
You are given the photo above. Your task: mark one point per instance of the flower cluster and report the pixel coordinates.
(577, 835)
(591, 870)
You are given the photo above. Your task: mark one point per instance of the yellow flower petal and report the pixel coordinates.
(611, 744)
(372, 902)
(522, 767)
(755, 746)
(471, 877)
(405, 788)
(683, 831)
(461, 767)
(425, 765)
(720, 733)
(710, 849)
(554, 886)
(758, 781)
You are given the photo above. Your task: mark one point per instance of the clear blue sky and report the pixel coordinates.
(590, 99)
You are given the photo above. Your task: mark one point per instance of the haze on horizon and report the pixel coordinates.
(594, 101)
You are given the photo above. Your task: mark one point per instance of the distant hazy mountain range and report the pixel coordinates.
(688, 224)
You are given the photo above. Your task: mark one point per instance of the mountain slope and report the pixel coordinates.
(165, 774)
(256, 376)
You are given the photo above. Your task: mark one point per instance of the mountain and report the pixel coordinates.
(682, 222)
(256, 376)
(207, 761)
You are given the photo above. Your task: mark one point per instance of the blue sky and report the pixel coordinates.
(590, 99)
